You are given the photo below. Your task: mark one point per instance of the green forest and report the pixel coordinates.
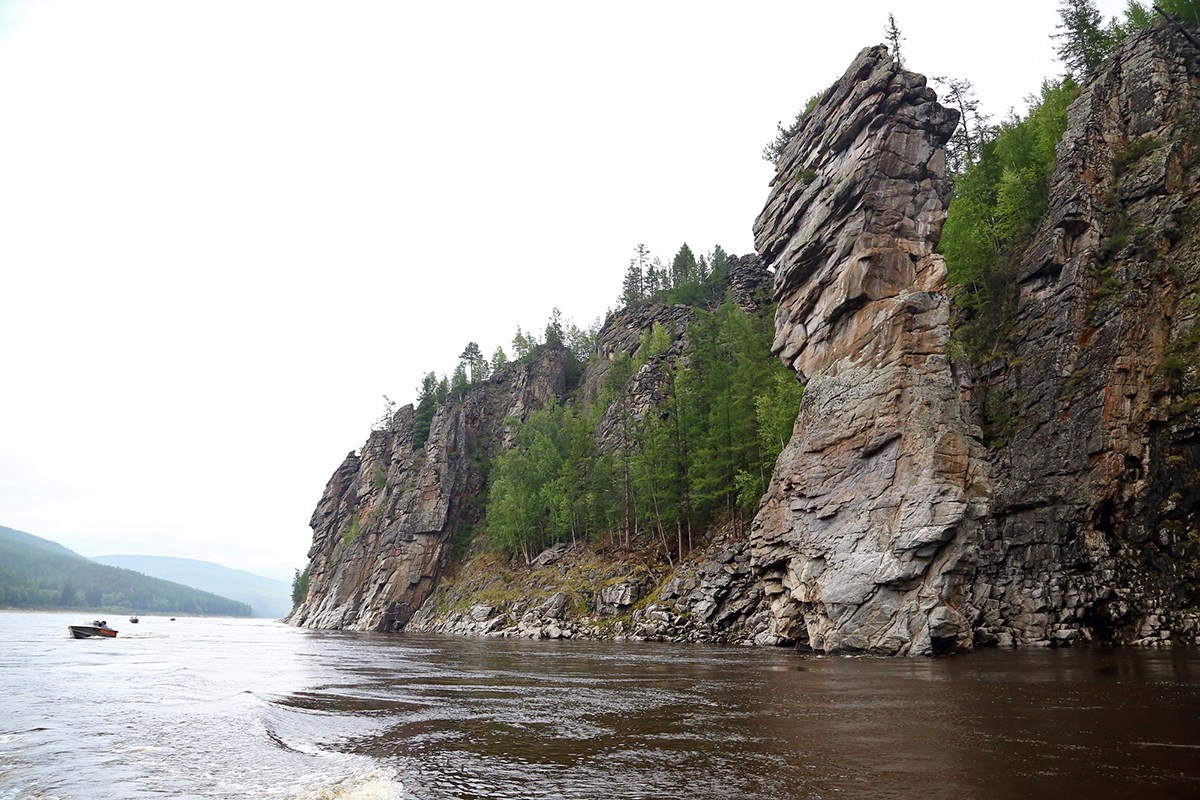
(38, 574)
(705, 454)
(1002, 172)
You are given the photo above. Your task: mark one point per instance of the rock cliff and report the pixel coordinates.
(890, 528)
(871, 517)
(383, 528)
(1092, 531)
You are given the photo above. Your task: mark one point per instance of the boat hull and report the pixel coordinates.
(89, 631)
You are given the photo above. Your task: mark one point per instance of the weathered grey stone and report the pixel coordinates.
(615, 598)
(549, 556)
(555, 607)
(381, 531)
(863, 531)
(1094, 499)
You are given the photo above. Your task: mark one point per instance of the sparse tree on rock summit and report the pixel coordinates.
(523, 344)
(499, 360)
(427, 403)
(973, 129)
(634, 287)
(683, 268)
(554, 328)
(472, 359)
(894, 38)
(459, 382)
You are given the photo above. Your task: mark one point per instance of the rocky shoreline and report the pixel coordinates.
(891, 525)
(575, 592)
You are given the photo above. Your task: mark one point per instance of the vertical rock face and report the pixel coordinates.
(382, 529)
(869, 523)
(1093, 532)
(889, 528)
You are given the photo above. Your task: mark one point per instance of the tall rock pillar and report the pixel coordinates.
(869, 524)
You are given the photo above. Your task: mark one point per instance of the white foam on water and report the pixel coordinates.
(375, 784)
(148, 748)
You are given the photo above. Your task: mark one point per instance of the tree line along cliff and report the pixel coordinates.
(926, 495)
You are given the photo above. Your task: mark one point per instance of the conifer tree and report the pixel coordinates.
(427, 403)
(523, 344)
(718, 261)
(459, 382)
(633, 288)
(499, 360)
(1137, 16)
(582, 341)
(554, 328)
(573, 489)
(1189, 10)
(1083, 40)
(683, 268)
(473, 362)
(973, 129)
(892, 31)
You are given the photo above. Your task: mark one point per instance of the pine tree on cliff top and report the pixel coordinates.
(894, 39)
(1083, 40)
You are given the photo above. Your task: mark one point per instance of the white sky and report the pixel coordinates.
(228, 228)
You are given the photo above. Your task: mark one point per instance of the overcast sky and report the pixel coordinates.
(227, 229)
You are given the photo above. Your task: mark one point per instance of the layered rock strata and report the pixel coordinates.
(1093, 531)
(382, 529)
(889, 526)
(870, 521)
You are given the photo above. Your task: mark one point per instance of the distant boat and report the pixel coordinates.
(133, 618)
(98, 629)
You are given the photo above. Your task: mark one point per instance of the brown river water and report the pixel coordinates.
(223, 708)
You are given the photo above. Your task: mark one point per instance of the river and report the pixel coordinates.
(225, 708)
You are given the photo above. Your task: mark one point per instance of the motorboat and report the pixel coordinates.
(133, 618)
(99, 629)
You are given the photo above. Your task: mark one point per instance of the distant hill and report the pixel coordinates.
(267, 597)
(37, 573)
(35, 541)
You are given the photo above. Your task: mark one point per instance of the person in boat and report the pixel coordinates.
(104, 625)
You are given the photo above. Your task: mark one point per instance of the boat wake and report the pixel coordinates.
(375, 784)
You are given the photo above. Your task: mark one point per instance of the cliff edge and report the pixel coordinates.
(1092, 532)
(870, 520)
(890, 526)
(382, 530)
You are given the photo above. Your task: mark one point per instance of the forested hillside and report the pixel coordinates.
(1002, 175)
(604, 467)
(1006, 409)
(265, 596)
(36, 573)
